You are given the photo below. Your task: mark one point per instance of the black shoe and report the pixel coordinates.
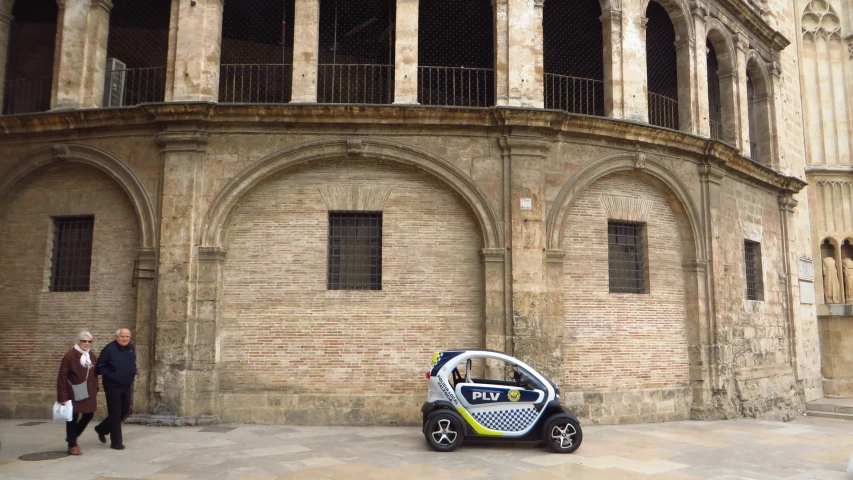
(117, 447)
(101, 437)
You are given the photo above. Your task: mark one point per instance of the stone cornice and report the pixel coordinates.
(183, 141)
(493, 254)
(755, 24)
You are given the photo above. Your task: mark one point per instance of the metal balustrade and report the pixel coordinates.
(255, 83)
(456, 86)
(663, 111)
(355, 83)
(26, 95)
(716, 130)
(574, 94)
(132, 86)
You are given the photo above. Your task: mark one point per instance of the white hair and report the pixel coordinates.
(84, 333)
(118, 332)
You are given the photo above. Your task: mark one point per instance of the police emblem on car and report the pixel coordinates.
(501, 398)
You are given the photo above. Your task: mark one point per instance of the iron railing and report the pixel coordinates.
(456, 86)
(716, 130)
(255, 83)
(26, 95)
(574, 94)
(663, 111)
(136, 85)
(355, 83)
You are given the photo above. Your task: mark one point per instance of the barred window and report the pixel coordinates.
(754, 275)
(355, 251)
(72, 253)
(627, 257)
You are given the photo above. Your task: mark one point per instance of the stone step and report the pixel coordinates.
(835, 415)
(828, 407)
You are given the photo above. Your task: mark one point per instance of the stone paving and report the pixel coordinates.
(806, 448)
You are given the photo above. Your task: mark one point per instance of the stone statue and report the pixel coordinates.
(847, 269)
(831, 290)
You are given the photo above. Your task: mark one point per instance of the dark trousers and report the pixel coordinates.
(75, 427)
(118, 407)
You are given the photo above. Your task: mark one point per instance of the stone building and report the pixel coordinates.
(294, 203)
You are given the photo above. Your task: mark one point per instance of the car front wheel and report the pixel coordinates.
(444, 432)
(562, 434)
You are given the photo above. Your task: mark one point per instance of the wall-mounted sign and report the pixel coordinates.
(526, 204)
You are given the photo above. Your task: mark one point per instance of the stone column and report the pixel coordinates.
(730, 105)
(501, 25)
(685, 59)
(406, 52)
(5, 25)
(183, 150)
(203, 356)
(145, 279)
(554, 314)
(81, 53)
(776, 114)
(536, 336)
(525, 65)
(494, 312)
(306, 50)
(702, 124)
(790, 270)
(635, 87)
(611, 29)
(195, 45)
(742, 122)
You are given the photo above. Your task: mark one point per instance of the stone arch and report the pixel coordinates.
(223, 205)
(679, 15)
(721, 38)
(650, 166)
(726, 87)
(101, 160)
(759, 109)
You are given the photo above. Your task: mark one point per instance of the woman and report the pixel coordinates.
(78, 366)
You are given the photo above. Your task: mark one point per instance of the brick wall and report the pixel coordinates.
(40, 326)
(623, 342)
(281, 330)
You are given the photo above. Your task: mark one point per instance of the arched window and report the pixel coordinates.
(574, 65)
(137, 50)
(29, 64)
(715, 108)
(750, 107)
(356, 59)
(758, 106)
(257, 52)
(456, 53)
(662, 70)
(721, 87)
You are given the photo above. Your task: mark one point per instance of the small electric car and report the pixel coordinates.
(515, 402)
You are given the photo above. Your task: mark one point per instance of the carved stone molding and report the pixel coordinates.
(146, 254)
(786, 203)
(631, 209)
(355, 198)
(554, 256)
(212, 254)
(61, 151)
(493, 255)
(189, 141)
(355, 147)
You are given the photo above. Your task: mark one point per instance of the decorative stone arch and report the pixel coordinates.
(721, 39)
(94, 157)
(760, 109)
(253, 175)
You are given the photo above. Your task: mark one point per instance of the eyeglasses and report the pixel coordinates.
(85, 341)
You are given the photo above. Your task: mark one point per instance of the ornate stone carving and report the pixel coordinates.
(355, 198)
(631, 209)
(831, 290)
(820, 19)
(355, 147)
(61, 152)
(847, 270)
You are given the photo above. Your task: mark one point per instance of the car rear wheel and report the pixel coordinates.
(562, 434)
(444, 432)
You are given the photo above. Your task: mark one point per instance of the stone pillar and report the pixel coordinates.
(145, 279)
(81, 53)
(611, 29)
(525, 71)
(5, 25)
(685, 60)
(494, 313)
(203, 356)
(183, 150)
(536, 336)
(776, 116)
(406, 52)
(742, 123)
(554, 314)
(790, 271)
(730, 105)
(702, 124)
(635, 87)
(306, 46)
(195, 45)
(502, 94)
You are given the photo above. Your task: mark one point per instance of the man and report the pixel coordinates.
(117, 368)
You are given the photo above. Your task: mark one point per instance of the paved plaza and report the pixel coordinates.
(806, 448)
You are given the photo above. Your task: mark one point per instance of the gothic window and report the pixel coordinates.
(355, 251)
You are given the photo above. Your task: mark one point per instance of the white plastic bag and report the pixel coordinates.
(63, 412)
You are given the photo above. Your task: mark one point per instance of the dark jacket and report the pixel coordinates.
(70, 370)
(117, 364)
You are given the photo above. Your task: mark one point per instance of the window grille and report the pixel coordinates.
(137, 49)
(456, 53)
(257, 52)
(715, 111)
(574, 66)
(627, 257)
(355, 251)
(29, 67)
(662, 69)
(752, 265)
(72, 253)
(356, 60)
